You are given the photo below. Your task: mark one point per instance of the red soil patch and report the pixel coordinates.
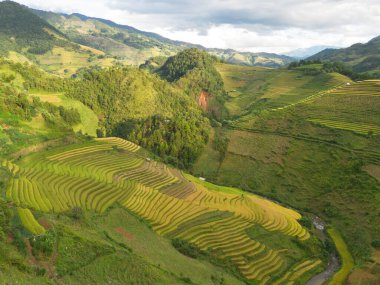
(203, 100)
(120, 230)
(45, 224)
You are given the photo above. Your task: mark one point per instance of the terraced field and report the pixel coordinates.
(98, 174)
(335, 109)
(254, 88)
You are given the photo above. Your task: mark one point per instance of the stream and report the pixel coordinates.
(333, 264)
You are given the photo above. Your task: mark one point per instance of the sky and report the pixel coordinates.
(245, 25)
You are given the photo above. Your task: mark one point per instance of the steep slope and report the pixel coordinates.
(287, 127)
(26, 37)
(136, 46)
(361, 57)
(20, 28)
(193, 71)
(219, 224)
(135, 104)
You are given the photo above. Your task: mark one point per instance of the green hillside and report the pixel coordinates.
(26, 37)
(361, 57)
(308, 141)
(21, 29)
(130, 158)
(135, 46)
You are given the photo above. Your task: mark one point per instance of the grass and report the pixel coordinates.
(346, 259)
(89, 120)
(283, 153)
(65, 62)
(157, 249)
(254, 88)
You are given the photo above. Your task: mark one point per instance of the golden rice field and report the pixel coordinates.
(98, 174)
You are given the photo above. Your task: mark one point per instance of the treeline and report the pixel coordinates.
(329, 67)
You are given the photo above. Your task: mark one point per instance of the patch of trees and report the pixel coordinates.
(21, 107)
(179, 140)
(329, 67)
(221, 145)
(70, 116)
(179, 65)
(186, 248)
(5, 217)
(302, 62)
(141, 107)
(341, 68)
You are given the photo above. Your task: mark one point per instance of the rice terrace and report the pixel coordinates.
(200, 143)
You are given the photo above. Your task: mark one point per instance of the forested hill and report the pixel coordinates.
(361, 57)
(20, 28)
(194, 72)
(137, 105)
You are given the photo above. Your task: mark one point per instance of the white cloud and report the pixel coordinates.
(247, 25)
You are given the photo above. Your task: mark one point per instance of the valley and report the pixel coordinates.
(129, 158)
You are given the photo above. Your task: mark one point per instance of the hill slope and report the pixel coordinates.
(237, 229)
(361, 57)
(20, 28)
(136, 46)
(283, 135)
(27, 37)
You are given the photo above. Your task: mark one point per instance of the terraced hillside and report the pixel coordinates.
(219, 221)
(252, 89)
(281, 148)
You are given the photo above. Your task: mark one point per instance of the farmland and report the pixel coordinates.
(279, 147)
(96, 175)
(89, 120)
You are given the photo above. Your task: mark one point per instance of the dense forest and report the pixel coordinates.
(141, 107)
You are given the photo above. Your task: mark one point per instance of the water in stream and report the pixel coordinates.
(333, 264)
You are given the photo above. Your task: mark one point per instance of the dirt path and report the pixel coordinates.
(120, 230)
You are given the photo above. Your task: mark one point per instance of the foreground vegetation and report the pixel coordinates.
(94, 176)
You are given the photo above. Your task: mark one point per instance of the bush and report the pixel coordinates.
(376, 243)
(44, 243)
(186, 248)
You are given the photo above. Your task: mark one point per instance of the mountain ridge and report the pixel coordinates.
(172, 46)
(361, 57)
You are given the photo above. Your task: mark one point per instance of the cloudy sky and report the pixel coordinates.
(246, 25)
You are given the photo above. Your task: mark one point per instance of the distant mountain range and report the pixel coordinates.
(302, 53)
(361, 57)
(23, 31)
(137, 45)
(33, 32)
